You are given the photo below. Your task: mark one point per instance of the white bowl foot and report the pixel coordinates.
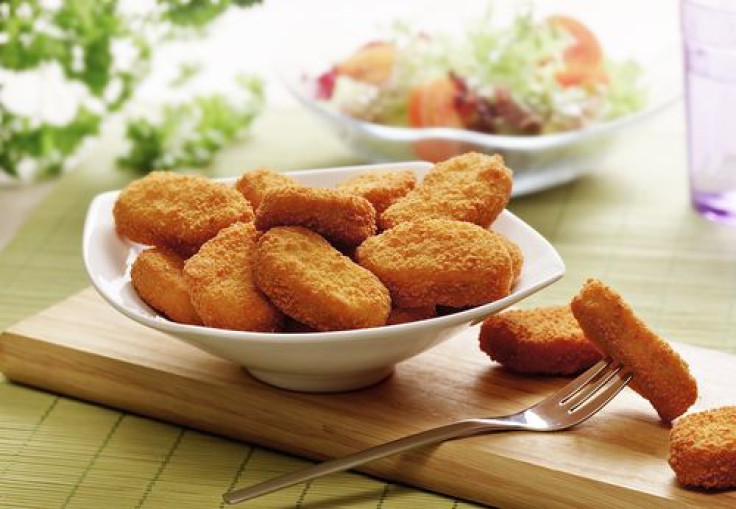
(322, 383)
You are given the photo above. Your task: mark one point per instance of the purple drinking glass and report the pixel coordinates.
(709, 38)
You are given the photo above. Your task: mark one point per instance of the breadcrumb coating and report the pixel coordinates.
(659, 373)
(703, 449)
(471, 187)
(517, 257)
(545, 340)
(254, 184)
(157, 276)
(381, 188)
(403, 315)
(181, 212)
(439, 262)
(221, 284)
(315, 284)
(341, 218)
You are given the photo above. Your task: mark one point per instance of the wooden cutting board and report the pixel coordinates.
(83, 348)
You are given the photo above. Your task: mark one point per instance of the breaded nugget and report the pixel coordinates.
(517, 257)
(439, 262)
(341, 218)
(472, 187)
(220, 279)
(401, 315)
(315, 284)
(256, 183)
(177, 211)
(381, 188)
(703, 449)
(545, 340)
(157, 277)
(659, 373)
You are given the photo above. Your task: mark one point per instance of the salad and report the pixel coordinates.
(531, 77)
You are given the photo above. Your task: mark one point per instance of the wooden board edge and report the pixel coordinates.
(22, 360)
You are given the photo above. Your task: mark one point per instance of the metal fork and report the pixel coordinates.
(569, 406)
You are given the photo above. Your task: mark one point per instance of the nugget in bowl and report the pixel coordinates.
(315, 284)
(180, 212)
(439, 262)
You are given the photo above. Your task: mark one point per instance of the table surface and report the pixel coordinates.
(628, 223)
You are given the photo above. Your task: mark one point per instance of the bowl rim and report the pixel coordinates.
(473, 315)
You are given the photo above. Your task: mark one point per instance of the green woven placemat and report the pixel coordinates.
(629, 224)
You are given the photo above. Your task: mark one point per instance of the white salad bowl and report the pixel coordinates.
(312, 362)
(539, 161)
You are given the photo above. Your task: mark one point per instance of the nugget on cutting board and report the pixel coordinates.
(439, 262)
(381, 188)
(157, 277)
(545, 340)
(315, 284)
(221, 284)
(471, 187)
(343, 219)
(256, 183)
(177, 211)
(659, 373)
(703, 449)
(408, 315)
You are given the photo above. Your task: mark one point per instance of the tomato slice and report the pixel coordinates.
(373, 63)
(434, 104)
(583, 57)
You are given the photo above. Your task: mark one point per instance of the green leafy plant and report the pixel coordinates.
(190, 134)
(70, 50)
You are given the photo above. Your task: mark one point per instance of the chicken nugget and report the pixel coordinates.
(439, 262)
(517, 257)
(402, 315)
(256, 183)
(703, 449)
(381, 188)
(544, 341)
(659, 373)
(315, 284)
(157, 276)
(177, 211)
(221, 284)
(472, 187)
(341, 218)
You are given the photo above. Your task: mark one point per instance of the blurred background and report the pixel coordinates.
(140, 85)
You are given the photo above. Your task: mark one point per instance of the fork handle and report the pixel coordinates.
(432, 436)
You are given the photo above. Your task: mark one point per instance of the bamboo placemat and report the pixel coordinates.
(629, 224)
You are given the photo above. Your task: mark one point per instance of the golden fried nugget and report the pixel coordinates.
(659, 373)
(177, 211)
(256, 183)
(381, 188)
(545, 340)
(315, 284)
(341, 218)
(401, 315)
(439, 262)
(157, 276)
(703, 449)
(472, 187)
(221, 284)
(517, 257)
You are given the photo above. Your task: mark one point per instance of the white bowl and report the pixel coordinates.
(312, 362)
